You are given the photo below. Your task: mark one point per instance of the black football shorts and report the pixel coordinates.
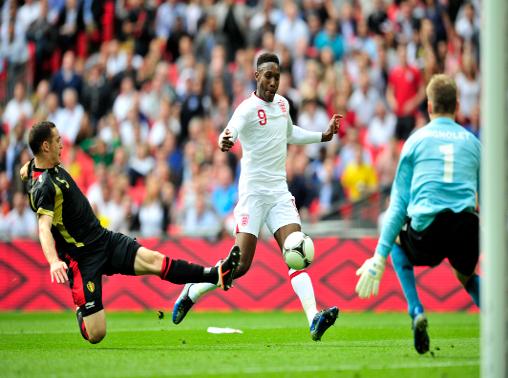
(114, 253)
(451, 235)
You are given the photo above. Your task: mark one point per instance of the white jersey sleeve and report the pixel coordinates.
(302, 136)
(237, 122)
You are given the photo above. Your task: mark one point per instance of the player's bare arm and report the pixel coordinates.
(58, 268)
(333, 128)
(225, 143)
(23, 172)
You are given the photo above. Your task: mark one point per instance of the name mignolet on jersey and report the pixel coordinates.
(53, 192)
(263, 129)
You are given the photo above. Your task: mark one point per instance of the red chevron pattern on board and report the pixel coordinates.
(25, 282)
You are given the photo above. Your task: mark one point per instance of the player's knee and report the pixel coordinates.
(95, 336)
(156, 259)
(243, 268)
(148, 261)
(96, 331)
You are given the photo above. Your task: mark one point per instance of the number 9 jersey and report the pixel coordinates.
(438, 170)
(263, 129)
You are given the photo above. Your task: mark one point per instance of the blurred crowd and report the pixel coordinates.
(141, 89)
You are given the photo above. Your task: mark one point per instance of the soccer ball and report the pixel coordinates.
(298, 250)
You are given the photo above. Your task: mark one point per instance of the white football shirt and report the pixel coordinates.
(263, 129)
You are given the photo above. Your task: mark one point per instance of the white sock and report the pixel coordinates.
(196, 291)
(302, 285)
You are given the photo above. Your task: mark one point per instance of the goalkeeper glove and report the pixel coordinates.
(370, 275)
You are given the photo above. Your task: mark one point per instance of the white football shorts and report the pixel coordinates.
(276, 210)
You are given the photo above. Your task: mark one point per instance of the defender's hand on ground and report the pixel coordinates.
(370, 274)
(58, 271)
(333, 128)
(225, 142)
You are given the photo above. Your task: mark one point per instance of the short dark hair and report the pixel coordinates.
(39, 133)
(267, 58)
(442, 94)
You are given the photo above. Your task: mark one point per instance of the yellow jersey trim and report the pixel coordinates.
(58, 218)
(42, 211)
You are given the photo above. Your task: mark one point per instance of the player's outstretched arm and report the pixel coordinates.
(333, 128)
(23, 172)
(370, 274)
(58, 268)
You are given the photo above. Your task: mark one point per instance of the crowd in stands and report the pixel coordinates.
(141, 89)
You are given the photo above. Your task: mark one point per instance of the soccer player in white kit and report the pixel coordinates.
(263, 125)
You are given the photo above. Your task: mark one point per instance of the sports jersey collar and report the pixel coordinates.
(443, 120)
(260, 99)
(35, 169)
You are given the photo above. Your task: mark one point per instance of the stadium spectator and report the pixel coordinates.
(381, 128)
(473, 123)
(299, 179)
(224, 193)
(17, 144)
(39, 99)
(363, 100)
(264, 18)
(134, 129)
(469, 86)
(436, 13)
(141, 164)
(69, 116)
(404, 93)
(329, 37)
(134, 26)
(263, 191)
(359, 177)
(167, 16)
(125, 99)
(291, 28)
(331, 191)
(232, 20)
(151, 212)
(363, 41)
(69, 24)
(67, 77)
(377, 19)
(386, 165)
(44, 35)
(207, 38)
(28, 13)
(18, 109)
(51, 107)
(313, 118)
(200, 219)
(432, 208)
(192, 107)
(117, 210)
(347, 23)
(20, 222)
(350, 144)
(96, 94)
(177, 33)
(108, 252)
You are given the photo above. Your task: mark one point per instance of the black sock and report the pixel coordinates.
(182, 272)
(81, 324)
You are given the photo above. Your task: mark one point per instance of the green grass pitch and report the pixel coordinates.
(274, 344)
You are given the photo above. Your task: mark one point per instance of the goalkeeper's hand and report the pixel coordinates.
(370, 275)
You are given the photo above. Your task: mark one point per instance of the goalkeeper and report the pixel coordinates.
(432, 208)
